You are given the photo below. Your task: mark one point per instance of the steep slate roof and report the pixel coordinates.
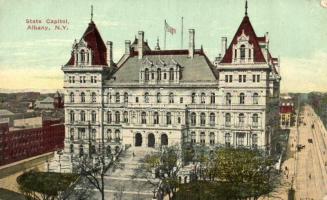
(198, 68)
(94, 41)
(253, 39)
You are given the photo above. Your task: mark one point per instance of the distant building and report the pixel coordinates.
(58, 100)
(287, 112)
(24, 143)
(6, 113)
(47, 103)
(32, 122)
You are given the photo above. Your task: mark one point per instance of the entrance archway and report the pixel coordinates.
(151, 140)
(164, 139)
(138, 140)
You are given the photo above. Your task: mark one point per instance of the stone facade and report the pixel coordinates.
(159, 97)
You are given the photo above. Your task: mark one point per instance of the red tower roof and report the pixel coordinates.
(253, 39)
(94, 41)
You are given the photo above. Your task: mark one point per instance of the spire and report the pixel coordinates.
(246, 7)
(157, 46)
(91, 13)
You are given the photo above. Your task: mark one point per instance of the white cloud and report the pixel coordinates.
(304, 75)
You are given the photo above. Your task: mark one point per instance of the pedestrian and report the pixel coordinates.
(309, 176)
(133, 154)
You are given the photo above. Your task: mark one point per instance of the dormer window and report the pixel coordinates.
(82, 56)
(146, 74)
(242, 50)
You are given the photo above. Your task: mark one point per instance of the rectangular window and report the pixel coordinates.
(240, 78)
(73, 79)
(258, 78)
(181, 100)
(84, 79)
(81, 79)
(70, 79)
(226, 78)
(95, 79)
(253, 78)
(230, 78)
(92, 79)
(244, 78)
(136, 99)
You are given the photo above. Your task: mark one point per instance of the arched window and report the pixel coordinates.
(146, 97)
(227, 139)
(241, 118)
(72, 97)
(94, 116)
(255, 120)
(143, 117)
(193, 137)
(202, 138)
(82, 56)
(212, 119)
(250, 54)
(72, 131)
(193, 118)
(82, 116)
(255, 98)
(82, 97)
(213, 98)
(254, 141)
(94, 97)
(109, 117)
(203, 97)
(203, 119)
(125, 116)
(193, 97)
(158, 97)
(93, 135)
(117, 117)
(159, 74)
(212, 138)
(242, 52)
(168, 118)
(117, 97)
(155, 118)
(146, 74)
(228, 99)
(171, 74)
(72, 116)
(228, 119)
(242, 98)
(125, 97)
(109, 97)
(117, 135)
(109, 136)
(171, 97)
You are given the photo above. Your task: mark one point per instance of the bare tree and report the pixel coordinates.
(161, 170)
(93, 168)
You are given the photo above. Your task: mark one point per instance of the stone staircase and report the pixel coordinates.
(128, 183)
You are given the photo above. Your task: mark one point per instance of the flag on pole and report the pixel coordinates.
(169, 29)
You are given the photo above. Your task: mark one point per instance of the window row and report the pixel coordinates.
(82, 117)
(242, 78)
(158, 98)
(82, 97)
(241, 120)
(240, 139)
(228, 98)
(161, 75)
(82, 79)
(212, 119)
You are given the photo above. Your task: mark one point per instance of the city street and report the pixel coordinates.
(310, 162)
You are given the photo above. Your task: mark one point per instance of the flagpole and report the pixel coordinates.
(182, 34)
(165, 35)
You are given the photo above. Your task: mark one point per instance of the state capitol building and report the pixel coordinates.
(153, 97)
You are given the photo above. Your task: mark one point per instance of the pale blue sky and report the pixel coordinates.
(32, 59)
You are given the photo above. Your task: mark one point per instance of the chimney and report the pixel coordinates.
(223, 45)
(140, 41)
(109, 54)
(127, 47)
(191, 43)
